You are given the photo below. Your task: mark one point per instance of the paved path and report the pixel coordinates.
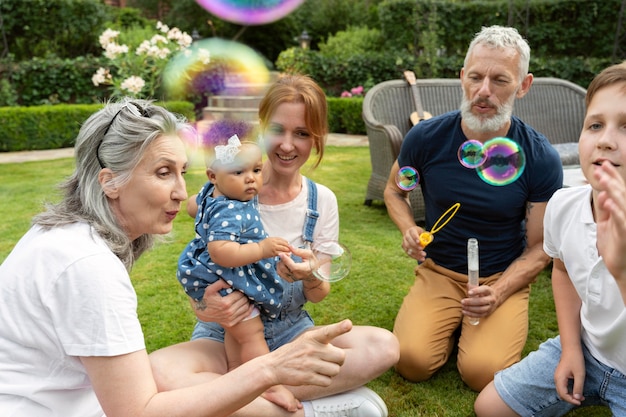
(334, 139)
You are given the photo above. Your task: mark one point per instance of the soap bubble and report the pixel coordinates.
(471, 154)
(331, 261)
(214, 66)
(407, 178)
(250, 12)
(504, 162)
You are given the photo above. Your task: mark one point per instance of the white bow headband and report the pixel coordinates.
(226, 153)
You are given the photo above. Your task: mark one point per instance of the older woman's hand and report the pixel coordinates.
(226, 310)
(311, 359)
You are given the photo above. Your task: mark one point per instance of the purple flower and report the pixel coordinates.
(221, 130)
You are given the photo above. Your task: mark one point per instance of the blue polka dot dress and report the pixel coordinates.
(237, 221)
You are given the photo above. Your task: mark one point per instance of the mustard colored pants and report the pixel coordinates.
(430, 314)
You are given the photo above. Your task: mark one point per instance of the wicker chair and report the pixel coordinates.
(553, 106)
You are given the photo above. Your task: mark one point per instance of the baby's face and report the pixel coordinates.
(603, 137)
(242, 179)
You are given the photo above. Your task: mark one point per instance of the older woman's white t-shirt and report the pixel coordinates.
(63, 294)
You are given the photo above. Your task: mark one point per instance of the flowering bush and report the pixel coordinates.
(220, 130)
(354, 92)
(137, 71)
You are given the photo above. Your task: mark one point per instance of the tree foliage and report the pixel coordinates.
(65, 28)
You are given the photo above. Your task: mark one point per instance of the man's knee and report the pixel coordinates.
(415, 366)
(478, 371)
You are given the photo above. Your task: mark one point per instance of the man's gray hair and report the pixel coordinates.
(503, 37)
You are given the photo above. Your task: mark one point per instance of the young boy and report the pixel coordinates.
(585, 234)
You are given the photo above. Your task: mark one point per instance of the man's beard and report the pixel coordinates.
(486, 124)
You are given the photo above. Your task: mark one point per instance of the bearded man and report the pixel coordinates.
(502, 204)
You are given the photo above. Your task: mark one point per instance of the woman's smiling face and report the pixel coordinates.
(288, 141)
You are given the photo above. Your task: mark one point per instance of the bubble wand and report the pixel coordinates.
(427, 237)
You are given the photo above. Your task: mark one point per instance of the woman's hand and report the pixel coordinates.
(315, 290)
(291, 270)
(311, 359)
(226, 310)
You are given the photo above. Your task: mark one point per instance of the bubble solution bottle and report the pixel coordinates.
(472, 269)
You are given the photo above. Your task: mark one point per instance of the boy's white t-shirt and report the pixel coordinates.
(287, 220)
(63, 294)
(570, 235)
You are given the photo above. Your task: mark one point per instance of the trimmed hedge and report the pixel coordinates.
(53, 127)
(344, 115)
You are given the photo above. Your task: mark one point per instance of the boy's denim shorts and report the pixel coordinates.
(292, 321)
(528, 386)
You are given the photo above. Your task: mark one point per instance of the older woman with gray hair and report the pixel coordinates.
(71, 343)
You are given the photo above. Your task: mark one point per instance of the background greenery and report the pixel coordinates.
(371, 295)
(53, 127)
(51, 46)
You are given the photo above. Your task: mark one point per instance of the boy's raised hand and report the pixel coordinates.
(611, 222)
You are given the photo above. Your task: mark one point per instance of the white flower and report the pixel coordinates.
(152, 50)
(107, 37)
(156, 39)
(163, 53)
(182, 38)
(185, 40)
(133, 84)
(140, 71)
(113, 50)
(162, 27)
(204, 55)
(102, 76)
(143, 48)
(174, 34)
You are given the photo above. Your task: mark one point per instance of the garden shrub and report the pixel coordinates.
(64, 28)
(344, 115)
(53, 127)
(54, 80)
(352, 41)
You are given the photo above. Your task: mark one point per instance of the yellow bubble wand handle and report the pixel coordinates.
(427, 237)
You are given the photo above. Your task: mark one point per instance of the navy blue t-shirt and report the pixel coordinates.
(492, 214)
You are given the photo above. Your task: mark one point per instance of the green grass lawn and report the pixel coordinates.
(371, 295)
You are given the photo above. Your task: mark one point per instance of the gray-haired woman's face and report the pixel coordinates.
(150, 201)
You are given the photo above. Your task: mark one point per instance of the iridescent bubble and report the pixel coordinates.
(407, 178)
(250, 12)
(471, 154)
(504, 162)
(331, 261)
(214, 66)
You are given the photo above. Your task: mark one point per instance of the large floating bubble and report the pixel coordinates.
(214, 66)
(250, 12)
(471, 154)
(504, 162)
(331, 261)
(407, 178)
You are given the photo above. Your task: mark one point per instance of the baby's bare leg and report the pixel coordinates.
(246, 341)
